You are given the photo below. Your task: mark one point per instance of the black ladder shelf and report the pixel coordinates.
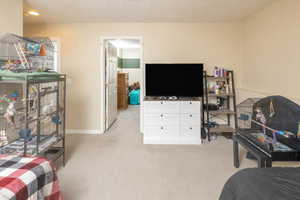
(231, 125)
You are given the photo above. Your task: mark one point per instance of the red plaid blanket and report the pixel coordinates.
(28, 178)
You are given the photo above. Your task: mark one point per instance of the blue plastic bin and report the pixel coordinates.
(134, 97)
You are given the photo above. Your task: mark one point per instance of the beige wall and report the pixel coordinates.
(271, 50)
(210, 43)
(11, 16)
(263, 49)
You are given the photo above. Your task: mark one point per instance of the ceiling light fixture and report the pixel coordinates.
(33, 13)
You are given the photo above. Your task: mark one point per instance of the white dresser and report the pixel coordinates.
(171, 122)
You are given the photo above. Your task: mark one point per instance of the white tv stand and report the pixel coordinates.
(172, 121)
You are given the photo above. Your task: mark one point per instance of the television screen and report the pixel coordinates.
(180, 80)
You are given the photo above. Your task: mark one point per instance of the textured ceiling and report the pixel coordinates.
(69, 11)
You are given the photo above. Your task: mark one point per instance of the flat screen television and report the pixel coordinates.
(180, 80)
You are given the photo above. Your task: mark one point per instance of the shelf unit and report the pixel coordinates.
(229, 112)
(39, 107)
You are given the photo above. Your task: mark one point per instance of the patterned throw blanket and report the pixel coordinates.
(28, 178)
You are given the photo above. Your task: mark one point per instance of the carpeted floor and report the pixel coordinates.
(117, 166)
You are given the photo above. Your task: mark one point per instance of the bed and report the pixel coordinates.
(28, 178)
(263, 184)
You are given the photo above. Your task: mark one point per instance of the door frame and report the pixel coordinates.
(103, 74)
(58, 42)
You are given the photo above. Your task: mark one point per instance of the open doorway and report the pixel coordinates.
(122, 70)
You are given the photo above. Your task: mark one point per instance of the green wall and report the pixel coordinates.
(128, 63)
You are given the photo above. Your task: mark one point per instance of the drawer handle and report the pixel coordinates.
(191, 115)
(191, 128)
(161, 115)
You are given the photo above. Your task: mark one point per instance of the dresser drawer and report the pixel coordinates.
(161, 131)
(161, 107)
(161, 119)
(190, 131)
(190, 107)
(190, 119)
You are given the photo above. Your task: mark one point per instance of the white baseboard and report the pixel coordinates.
(83, 131)
(243, 94)
(172, 141)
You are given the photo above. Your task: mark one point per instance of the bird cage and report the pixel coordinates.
(245, 112)
(32, 98)
(20, 54)
(32, 113)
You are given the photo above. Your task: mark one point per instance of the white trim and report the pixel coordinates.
(244, 93)
(102, 72)
(83, 131)
(179, 141)
(142, 87)
(255, 91)
(57, 40)
(102, 85)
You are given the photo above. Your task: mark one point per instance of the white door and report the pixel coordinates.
(111, 63)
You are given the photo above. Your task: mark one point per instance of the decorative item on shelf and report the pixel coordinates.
(216, 72)
(33, 48)
(220, 72)
(211, 87)
(221, 103)
(43, 51)
(221, 87)
(217, 90)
